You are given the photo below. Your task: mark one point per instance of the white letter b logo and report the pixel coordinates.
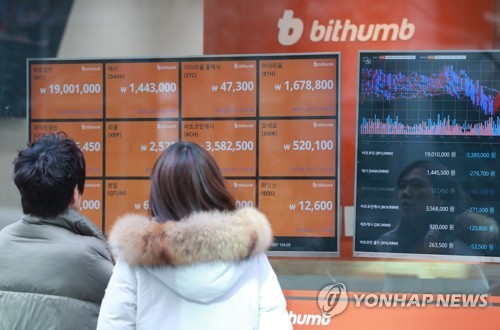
(290, 28)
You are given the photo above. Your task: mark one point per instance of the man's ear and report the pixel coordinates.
(75, 199)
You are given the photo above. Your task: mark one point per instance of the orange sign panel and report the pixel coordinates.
(125, 196)
(132, 147)
(298, 87)
(243, 192)
(88, 136)
(232, 142)
(222, 88)
(66, 91)
(299, 208)
(142, 90)
(91, 202)
(304, 147)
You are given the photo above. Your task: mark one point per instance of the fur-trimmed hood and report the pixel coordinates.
(200, 238)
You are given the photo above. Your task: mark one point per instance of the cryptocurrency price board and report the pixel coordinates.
(270, 121)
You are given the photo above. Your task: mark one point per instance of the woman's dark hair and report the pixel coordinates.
(186, 179)
(46, 174)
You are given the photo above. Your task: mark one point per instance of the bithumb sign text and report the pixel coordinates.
(335, 30)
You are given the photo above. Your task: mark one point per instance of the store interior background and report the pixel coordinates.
(79, 29)
(169, 28)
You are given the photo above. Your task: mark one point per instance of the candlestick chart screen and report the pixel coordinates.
(427, 141)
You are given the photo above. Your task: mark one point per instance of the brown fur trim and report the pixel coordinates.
(201, 237)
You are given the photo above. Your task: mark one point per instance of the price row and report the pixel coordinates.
(285, 87)
(291, 205)
(283, 147)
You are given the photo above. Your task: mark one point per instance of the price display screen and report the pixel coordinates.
(270, 121)
(91, 201)
(223, 88)
(141, 141)
(233, 143)
(88, 136)
(142, 90)
(125, 194)
(428, 142)
(66, 91)
(288, 146)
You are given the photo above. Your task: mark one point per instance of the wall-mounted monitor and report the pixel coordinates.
(427, 177)
(271, 122)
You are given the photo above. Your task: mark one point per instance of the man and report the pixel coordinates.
(54, 264)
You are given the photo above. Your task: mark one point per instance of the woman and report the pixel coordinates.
(199, 263)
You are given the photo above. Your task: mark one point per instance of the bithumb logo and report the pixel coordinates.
(335, 30)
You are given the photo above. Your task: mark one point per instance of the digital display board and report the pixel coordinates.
(270, 121)
(427, 141)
